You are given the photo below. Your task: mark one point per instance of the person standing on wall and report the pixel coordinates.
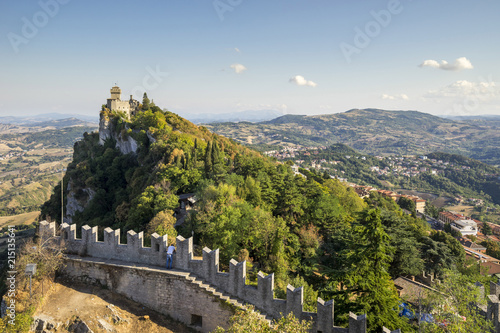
(170, 254)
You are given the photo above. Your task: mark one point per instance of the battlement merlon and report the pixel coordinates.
(294, 301)
(325, 315)
(357, 324)
(47, 229)
(386, 330)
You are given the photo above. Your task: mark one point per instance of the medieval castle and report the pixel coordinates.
(130, 107)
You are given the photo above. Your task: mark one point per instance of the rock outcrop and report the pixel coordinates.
(74, 205)
(124, 142)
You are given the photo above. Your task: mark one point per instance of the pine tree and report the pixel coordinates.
(366, 286)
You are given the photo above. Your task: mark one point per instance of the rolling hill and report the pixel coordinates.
(374, 131)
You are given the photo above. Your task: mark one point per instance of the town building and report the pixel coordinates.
(465, 227)
(450, 217)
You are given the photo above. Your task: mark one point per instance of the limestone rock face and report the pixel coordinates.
(126, 145)
(124, 142)
(74, 205)
(104, 129)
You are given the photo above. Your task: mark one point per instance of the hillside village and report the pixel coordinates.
(386, 166)
(409, 166)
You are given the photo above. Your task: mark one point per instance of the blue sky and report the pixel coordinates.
(301, 57)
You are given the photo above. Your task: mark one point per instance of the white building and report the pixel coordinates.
(465, 227)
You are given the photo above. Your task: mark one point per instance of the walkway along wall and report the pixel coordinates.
(233, 283)
(175, 294)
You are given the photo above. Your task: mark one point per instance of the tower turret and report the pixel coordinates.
(116, 92)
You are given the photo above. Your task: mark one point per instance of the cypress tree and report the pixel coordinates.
(217, 161)
(195, 153)
(208, 160)
(145, 102)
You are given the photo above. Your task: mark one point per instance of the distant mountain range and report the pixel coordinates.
(52, 118)
(374, 131)
(249, 115)
(370, 131)
(59, 119)
(478, 117)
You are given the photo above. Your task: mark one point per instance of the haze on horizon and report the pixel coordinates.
(226, 56)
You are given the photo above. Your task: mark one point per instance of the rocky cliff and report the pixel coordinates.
(73, 204)
(107, 130)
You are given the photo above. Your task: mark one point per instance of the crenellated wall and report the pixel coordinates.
(493, 309)
(207, 268)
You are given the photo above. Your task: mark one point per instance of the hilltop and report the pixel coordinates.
(374, 131)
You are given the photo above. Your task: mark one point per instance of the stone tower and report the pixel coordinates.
(116, 93)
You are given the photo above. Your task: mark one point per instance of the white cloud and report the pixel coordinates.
(238, 68)
(395, 97)
(459, 64)
(237, 49)
(464, 89)
(301, 81)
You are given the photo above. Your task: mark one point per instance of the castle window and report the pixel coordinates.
(157, 247)
(65, 235)
(196, 320)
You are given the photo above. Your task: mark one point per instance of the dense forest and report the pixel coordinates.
(308, 230)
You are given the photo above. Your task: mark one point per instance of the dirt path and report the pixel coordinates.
(103, 311)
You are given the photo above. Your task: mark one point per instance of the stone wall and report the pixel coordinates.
(164, 292)
(207, 268)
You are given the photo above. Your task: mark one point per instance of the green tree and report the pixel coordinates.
(455, 305)
(431, 210)
(163, 224)
(208, 160)
(492, 248)
(407, 204)
(486, 229)
(249, 321)
(217, 161)
(437, 256)
(145, 102)
(153, 200)
(365, 284)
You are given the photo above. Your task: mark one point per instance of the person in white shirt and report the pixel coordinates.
(170, 254)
